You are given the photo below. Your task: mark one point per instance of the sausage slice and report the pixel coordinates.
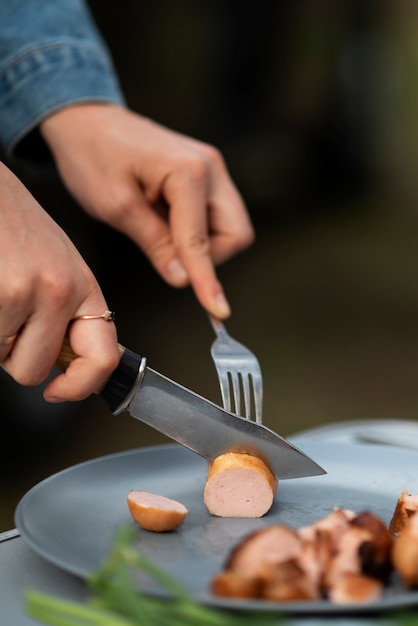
(156, 513)
(239, 485)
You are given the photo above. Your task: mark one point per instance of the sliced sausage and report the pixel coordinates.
(239, 485)
(354, 588)
(375, 552)
(405, 552)
(288, 582)
(262, 548)
(332, 527)
(232, 585)
(154, 512)
(256, 560)
(406, 506)
(344, 557)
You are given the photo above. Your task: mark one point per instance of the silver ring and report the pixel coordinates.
(107, 316)
(5, 341)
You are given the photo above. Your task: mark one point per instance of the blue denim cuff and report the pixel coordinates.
(44, 79)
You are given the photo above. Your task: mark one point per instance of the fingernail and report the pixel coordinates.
(176, 272)
(54, 399)
(222, 306)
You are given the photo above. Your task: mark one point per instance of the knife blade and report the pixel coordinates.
(194, 421)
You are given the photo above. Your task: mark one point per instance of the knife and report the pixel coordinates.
(191, 420)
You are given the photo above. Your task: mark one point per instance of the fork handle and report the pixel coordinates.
(217, 325)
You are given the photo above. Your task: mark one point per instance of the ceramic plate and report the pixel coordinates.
(70, 518)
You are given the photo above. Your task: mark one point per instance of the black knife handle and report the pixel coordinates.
(118, 387)
(121, 382)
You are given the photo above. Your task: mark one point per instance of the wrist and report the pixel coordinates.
(67, 119)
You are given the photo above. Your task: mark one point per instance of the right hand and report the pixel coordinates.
(44, 284)
(171, 194)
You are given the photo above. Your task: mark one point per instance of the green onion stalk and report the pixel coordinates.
(115, 600)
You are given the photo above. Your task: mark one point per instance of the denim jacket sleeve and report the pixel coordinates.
(51, 56)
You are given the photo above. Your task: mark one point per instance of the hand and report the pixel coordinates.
(171, 194)
(44, 284)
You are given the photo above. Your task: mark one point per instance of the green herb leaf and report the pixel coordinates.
(116, 600)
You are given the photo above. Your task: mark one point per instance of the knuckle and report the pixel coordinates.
(114, 204)
(15, 292)
(213, 156)
(59, 286)
(198, 243)
(198, 162)
(246, 237)
(119, 204)
(195, 168)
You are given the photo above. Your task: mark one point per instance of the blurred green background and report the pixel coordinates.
(314, 105)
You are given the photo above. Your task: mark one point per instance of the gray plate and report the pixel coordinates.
(70, 518)
(391, 432)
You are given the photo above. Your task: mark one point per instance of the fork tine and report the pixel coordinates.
(225, 392)
(246, 391)
(234, 379)
(239, 374)
(258, 397)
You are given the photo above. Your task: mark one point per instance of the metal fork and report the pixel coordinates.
(239, 374)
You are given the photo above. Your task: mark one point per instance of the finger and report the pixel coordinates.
(189, 226)
(95, 344)
(6, 345)
(230, 225)
(147, 225)
(8, 336)
(230, 232)
(35, 349)
(12, 318)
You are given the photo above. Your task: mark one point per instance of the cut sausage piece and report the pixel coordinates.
(251, 563)
(344, 557)
(355, 588)
(375, 552)
(405, 552)
(332, 526)
(239, 485)
(406, 506)
(289, 582)
(264, 547)
(156, 513)
(229, 584)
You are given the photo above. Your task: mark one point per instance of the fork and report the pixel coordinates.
(239, 374)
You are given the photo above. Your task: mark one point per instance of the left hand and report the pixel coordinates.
(171, 194)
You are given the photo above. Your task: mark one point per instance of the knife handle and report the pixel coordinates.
(116, 390)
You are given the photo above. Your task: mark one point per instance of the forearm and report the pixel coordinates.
(51, 56)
